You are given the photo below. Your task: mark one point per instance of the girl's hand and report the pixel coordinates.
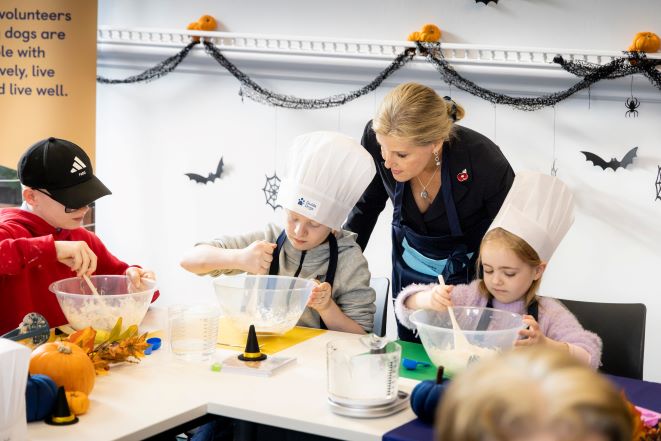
(441, 297)
(135, 276)
(257, 257)
(532, 335)
(321, 297)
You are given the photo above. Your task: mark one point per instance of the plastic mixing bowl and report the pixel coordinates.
(486, 330)
(274, 304)
(117, 298)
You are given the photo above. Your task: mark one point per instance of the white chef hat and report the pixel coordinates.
(539, 209)
(326, 174)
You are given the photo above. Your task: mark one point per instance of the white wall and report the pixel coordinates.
(149, 135)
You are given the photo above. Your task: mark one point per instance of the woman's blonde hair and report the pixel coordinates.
(529, 391)
(418, 114)
(522, 250)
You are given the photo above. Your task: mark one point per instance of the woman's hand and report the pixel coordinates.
(256, 258)
(321, 297)
(135, 276)
(532, 335)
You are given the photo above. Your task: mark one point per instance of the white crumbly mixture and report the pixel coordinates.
(265, 321)
(102, 313)
(455, 360)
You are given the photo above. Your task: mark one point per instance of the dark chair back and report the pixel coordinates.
(621, 327)
(381, 285)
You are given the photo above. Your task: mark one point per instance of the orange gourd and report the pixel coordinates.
(204, 23)
(429, 33)
(645, 42)
(67, 365)
(78, 402)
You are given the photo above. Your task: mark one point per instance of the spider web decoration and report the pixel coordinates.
(160, 70)
(658, 184)
(271, 189)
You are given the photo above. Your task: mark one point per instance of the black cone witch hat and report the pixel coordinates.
(62, 415)
(252, 352)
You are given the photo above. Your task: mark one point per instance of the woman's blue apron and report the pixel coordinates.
(417, 258)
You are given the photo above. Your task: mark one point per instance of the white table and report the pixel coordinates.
(137, 401)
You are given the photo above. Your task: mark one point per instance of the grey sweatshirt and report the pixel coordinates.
(351, 288)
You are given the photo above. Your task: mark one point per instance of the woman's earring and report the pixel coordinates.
(437, 159)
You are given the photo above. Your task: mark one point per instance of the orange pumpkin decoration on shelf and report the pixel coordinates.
(429, 33)
(204, 23)
(78, 402)
(645, 42)
(67, 365)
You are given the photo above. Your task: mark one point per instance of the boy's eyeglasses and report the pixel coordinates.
(66, 209)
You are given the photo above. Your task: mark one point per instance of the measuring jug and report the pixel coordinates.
(363, 371)
(193, 330)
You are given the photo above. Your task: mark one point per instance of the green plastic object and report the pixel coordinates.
(216, 367)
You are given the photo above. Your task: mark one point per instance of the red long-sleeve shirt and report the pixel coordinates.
(28, 265)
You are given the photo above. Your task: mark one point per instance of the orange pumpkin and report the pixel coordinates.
(645, 42)
(414, 36)
(430, 32)
(78, 402)
(66, 363)
(207, 23)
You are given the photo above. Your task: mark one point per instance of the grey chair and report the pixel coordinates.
(621, 327)
(381, 285)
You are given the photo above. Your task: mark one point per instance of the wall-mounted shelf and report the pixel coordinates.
(345, 60)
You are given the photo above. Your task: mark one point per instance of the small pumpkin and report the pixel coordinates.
(645, 42)
(426, 395)
(429, 33)
(66, 363)
(40, 395)
(204, 23)
(78, 402)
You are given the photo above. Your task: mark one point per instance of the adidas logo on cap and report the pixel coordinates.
(77, 165)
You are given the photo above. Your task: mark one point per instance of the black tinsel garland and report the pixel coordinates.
(161, 69)
(257, 93)
(590, 73)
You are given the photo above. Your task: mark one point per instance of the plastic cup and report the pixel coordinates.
(192, 331)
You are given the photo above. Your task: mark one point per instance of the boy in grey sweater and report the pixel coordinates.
(327, 173)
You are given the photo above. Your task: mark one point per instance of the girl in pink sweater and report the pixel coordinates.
(510, 271)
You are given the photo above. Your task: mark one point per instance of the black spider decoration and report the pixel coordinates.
(271, 189)
(632, 104)
(486, 2)
(657, 183)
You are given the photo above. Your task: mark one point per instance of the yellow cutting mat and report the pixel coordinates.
(268, 344)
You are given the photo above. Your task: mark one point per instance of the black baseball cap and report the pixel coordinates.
(62, 168)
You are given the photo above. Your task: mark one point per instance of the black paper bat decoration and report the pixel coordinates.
(212, 176)
(613, 163)
(486, 2)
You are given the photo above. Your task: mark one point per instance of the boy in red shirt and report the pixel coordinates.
(43, 241)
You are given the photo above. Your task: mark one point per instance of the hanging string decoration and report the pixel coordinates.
(160, 70)
(590, 73)
(271, 189)
(257, 93)
(632, 103)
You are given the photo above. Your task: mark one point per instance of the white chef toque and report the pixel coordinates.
(326, 174)
(539, 209)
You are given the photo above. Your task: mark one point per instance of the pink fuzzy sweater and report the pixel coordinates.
(555, 320)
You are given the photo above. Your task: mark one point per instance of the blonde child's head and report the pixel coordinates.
(304, 233)
(509, 268)
(532, 393)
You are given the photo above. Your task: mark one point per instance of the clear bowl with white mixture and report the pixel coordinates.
(117, 298)
(274, 304)
(484, 332)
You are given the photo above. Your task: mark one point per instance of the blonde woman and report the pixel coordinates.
(446, 183)
(532, 394)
